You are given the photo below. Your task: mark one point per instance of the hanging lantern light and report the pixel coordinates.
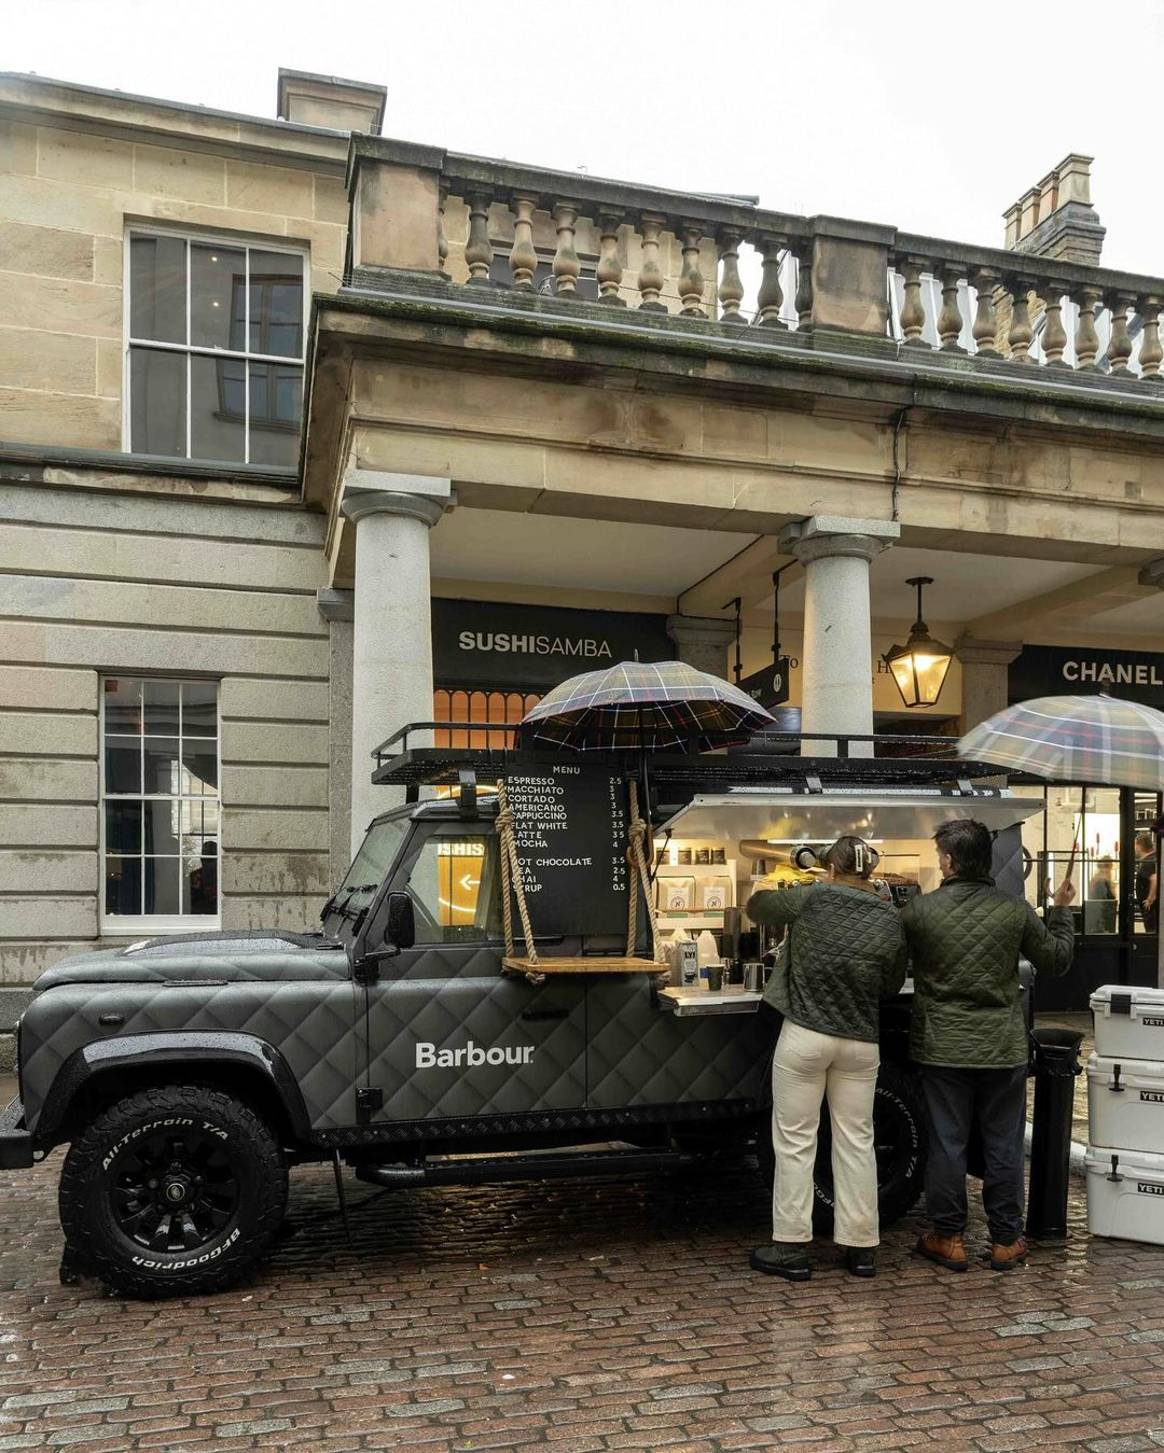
(920, 666)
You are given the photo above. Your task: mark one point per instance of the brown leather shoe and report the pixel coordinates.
(947, 1251)
(1006, 1258)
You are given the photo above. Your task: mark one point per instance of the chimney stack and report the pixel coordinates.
(330, 101)
(1056, 218)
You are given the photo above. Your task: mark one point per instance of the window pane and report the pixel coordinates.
(123, 764)
(200, 764)
(276, 405)
(372, 863)
(160, 701)
(122, 885)
(161, 885)
(1100, 878)
(200, 884)
(454, 888)
(1146, 882)
(161, 764)
(217, 408)
(122, 704)
(157, 414)
(199, 709)
(200, 823)
(217, 280)
(276, 304)
(163, 822)
(157, 288)
(123, 827)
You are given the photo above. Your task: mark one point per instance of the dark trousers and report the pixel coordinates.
(994, 1102)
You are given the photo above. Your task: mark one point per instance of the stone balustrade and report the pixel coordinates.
(508, 229)
(582, 238)
(990, 304)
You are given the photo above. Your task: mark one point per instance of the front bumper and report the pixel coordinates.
(15, 1141)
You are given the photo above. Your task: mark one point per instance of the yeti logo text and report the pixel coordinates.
(428, 1056)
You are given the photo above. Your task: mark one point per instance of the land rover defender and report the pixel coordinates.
(187, 1075)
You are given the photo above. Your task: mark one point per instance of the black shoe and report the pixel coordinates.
(788, 1259)
(861, 1260)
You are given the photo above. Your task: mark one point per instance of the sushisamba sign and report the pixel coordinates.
(1083, 671)
(480, 643)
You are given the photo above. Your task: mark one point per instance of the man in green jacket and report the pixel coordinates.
(969, 1036)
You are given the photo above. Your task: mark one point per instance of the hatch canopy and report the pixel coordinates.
(781, 817)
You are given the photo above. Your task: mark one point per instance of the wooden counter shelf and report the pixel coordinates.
(586, 964)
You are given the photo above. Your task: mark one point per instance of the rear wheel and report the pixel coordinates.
(899, 1138)
(173, 1191)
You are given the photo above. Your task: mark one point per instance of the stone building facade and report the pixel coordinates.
(121, 564)
(307, 433)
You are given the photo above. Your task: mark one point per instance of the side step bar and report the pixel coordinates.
(479, 1170)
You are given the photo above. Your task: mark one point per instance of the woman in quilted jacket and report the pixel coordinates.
(846, 952)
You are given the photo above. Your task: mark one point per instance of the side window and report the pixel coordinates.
(455, 888)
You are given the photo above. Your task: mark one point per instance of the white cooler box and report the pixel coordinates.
(1125, 1104)
(1129, 1022)
(1125, 1194)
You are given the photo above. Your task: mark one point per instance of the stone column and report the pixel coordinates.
(392, 625)
(838, 639)
(984, 677)
(337, 608)
(703, 642)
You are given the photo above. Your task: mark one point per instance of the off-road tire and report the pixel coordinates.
(101, 1159)
(898, 1132)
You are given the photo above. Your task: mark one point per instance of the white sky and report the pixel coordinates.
(932, 117)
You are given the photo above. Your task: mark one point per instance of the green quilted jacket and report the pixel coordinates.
(965, 939)
(846, 953)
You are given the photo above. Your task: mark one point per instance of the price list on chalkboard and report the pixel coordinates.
(570, 827)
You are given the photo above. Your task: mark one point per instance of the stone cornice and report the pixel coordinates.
(154, 122)
(839, 365)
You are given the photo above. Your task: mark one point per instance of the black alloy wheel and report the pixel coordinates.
(172, 1191)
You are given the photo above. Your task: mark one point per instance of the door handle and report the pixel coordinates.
(542, 1014)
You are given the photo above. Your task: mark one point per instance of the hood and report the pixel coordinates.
(205, 958)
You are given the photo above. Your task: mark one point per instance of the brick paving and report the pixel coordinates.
(578, 1318)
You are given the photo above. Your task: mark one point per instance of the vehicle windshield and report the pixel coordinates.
(369, 868)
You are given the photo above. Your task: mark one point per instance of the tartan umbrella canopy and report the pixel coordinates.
(644, 706)
(1074, 739)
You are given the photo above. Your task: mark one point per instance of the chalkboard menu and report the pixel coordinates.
(570, 826)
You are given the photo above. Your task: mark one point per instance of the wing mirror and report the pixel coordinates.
(382, 935)
(400, 924)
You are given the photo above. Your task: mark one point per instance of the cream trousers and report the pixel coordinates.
(806, 1067)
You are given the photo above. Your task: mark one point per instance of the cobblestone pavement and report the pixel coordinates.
(577, 1317)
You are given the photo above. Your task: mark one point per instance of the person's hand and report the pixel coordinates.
(1065, 894)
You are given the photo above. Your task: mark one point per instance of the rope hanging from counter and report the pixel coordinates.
(513, 887)
(511, 879)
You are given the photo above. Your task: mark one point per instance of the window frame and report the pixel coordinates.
(119, 925)
(247, 242)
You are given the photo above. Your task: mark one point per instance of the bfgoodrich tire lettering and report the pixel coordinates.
(173, 1191)
(898, 1134)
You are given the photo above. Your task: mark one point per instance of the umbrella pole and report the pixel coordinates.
(647, 814)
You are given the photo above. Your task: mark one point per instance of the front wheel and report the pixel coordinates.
(899, 1138)
(173, 1191)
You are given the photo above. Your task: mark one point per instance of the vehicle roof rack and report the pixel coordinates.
(424, 754)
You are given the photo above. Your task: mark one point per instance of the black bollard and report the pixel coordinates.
(1056, 1066)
